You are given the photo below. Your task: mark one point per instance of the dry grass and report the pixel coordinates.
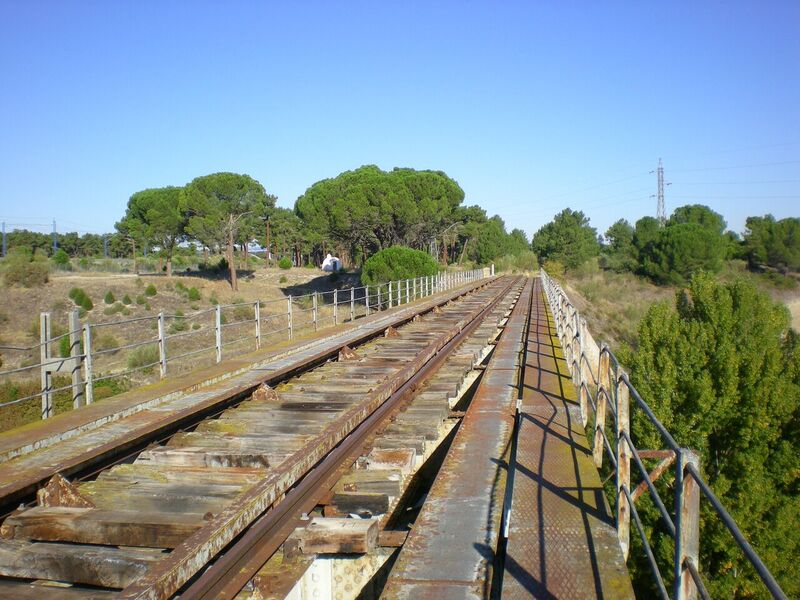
(615, 303)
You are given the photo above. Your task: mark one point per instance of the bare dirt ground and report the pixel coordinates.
(794, 308)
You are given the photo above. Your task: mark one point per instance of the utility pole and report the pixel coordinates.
(661, 212)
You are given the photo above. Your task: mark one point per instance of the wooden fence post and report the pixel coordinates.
(600, 415)
(688, 527)
(623, 464)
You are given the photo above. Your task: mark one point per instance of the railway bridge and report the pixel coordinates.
(469, 441)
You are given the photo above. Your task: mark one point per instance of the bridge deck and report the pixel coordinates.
(562, 542)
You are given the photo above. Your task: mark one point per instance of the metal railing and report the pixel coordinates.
(154, 343)
(604, 386)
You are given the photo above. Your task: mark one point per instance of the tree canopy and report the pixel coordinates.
(220, 207)
(365, 210)
(156, 216)
(721, 370)
(773, 243)
(568, 239)
(396, 263)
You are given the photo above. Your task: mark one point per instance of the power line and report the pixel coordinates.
(737, 197)
(754, 182)
(771, 164)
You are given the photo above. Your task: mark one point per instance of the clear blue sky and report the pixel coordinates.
(530, 106)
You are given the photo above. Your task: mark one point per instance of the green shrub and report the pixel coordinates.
(64, 346)
(143, 355)
(285, 263)
(195, 325)
(109, 298)
(25, 269)
(554, 268)
(193, 294)
(213, 300)
(81, 298)
(397, 262)
(115, 308)
(126, 299)
(140, 299)
(780, 281)
(178, 323)
(61, 258)
(283, 279)
(244, 311)
(150, 290)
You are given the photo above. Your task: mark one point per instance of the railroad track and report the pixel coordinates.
(199, 509)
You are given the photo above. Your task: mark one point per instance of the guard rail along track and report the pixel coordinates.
(604, 387)
(196, 503)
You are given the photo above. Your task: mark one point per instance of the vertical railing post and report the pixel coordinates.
(257, 315)
(335, 307)
(399, 293)
(602, 401)
(88, 374)
(162, 346)
(623, 464)
(218, 332)
(352, 304)
(78, 395)
(314, 309)
(390, 294)
(366, 299)
(379, 297)
(415, 288)
(687, 525)
(408, 287)
(289, 315)
(46, 375)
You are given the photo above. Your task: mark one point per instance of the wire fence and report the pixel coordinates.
(98, 359)
(604, 387)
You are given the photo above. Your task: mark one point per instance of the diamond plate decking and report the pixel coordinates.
(562, 542)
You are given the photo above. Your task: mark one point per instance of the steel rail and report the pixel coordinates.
(22, 490)
(303, 486)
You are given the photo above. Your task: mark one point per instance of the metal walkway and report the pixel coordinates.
(561, 539)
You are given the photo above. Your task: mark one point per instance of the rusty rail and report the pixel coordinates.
(300, 478)
(604, 386)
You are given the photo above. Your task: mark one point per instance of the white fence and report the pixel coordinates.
(155, 343)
